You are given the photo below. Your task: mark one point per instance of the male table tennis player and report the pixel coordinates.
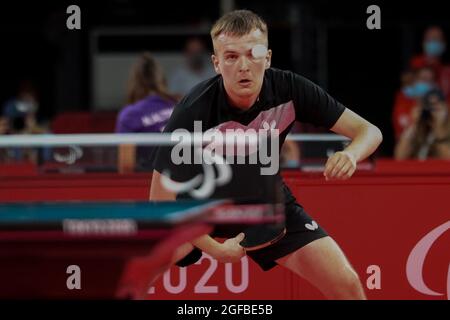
(246, 90)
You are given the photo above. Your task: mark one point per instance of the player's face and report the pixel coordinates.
(242, 71)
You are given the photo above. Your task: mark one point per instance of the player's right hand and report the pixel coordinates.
(340, 166)
(231, 250)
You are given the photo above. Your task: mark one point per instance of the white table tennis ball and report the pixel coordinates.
(259, 51)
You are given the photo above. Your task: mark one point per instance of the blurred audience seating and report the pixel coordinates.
(84, 122)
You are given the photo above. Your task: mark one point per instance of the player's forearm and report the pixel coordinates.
(365, 142)
(209, 245)
(182, 251)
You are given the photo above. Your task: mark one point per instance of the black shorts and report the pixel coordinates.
(301, 229)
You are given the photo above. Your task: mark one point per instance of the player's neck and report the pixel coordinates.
(243, 103)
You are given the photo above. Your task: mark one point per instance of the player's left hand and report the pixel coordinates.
(340, 166)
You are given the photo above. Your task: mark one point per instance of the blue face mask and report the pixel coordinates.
(434, 48)
(417, 90)
(409, 91)
(421, 88)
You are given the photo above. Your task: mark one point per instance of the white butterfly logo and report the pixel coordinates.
(313, 226)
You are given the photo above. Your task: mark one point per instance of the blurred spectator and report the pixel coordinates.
(4, 126)
(3, 130)
(20, 111)
(197, 68)
(429, 134)
(290, 155)
(148, 110)
(19, 117)
(434, 45)
(404, 102)
(415, 84)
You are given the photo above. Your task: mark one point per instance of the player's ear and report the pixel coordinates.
(268, 58)
(215, 62)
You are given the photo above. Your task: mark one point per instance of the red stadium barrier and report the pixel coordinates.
(66, 187)
(14, 169)
(392, 223)
(84, 122)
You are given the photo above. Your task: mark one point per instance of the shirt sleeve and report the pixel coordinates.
(313, 104)
(123, 123)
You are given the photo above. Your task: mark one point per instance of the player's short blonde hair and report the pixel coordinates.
(238, 23)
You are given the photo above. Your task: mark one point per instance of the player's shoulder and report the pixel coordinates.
(201, 95)
(283, 83)
(286, 80)
(293, 82)
(280, 75)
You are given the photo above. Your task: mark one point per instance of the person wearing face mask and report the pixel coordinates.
(434, 46)
(415, 84)
(196, 68)
(20, 111)
(19, 117)
(429, 134)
